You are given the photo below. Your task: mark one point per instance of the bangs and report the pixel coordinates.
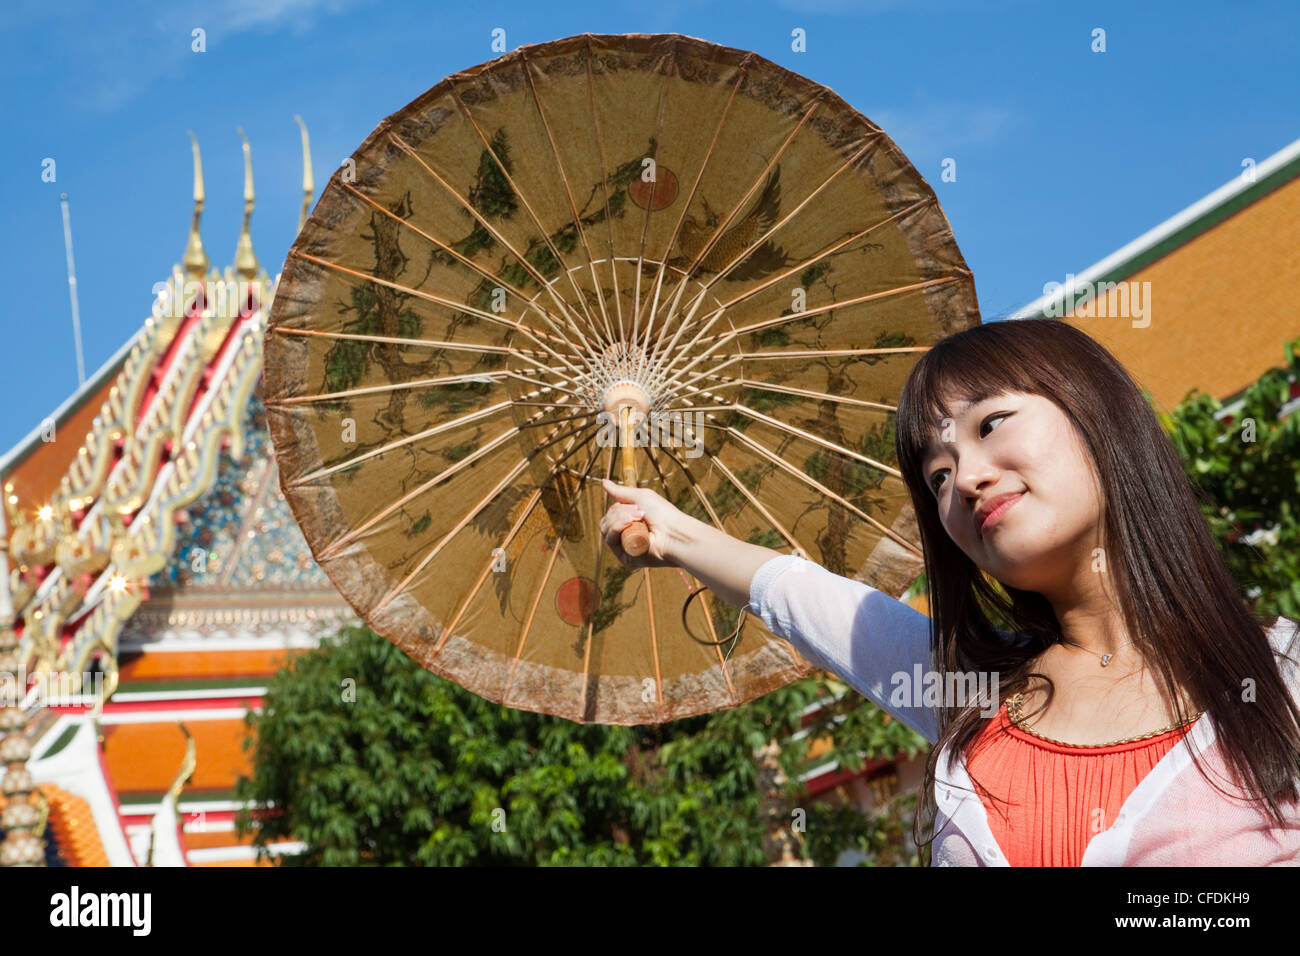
(966, 367)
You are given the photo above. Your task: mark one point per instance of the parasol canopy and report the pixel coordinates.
(642, 257)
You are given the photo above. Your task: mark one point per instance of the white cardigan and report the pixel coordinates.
(1172, 818)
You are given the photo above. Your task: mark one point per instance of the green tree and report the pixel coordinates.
(369, 759)
(1247, 466)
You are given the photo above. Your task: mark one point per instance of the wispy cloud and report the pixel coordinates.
(940, 129)
(118, 58)
(234, 16)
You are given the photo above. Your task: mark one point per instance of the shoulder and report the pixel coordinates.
(1284, 636)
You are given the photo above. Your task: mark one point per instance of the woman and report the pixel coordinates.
(1068, 560)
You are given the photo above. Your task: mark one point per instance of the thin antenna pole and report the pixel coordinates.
(72, 289)
(308, 187)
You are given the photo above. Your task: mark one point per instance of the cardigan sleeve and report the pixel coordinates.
(874, 642)
(1284, 636)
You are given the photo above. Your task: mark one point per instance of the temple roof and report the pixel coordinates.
(144, 539)
(175, 468)
(239, 564)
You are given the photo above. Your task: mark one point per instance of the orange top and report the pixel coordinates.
(1057, 797)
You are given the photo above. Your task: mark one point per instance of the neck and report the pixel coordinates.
(1090, 619)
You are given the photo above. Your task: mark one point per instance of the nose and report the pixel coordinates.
(975, 475)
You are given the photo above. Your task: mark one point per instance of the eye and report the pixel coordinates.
(996, 415)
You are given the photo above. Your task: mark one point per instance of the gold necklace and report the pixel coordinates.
(1104, 658)
(1015, 701)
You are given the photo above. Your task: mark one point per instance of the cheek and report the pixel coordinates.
(1060, 475)
(951, 519)
(1055, 443)
(1066, 468)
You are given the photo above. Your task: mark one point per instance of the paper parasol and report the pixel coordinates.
(647, 241)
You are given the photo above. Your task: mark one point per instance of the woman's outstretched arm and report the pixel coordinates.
(726, 564)
(875, 642)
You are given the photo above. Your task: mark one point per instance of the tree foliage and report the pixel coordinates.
(1247, 466)
(368, 759)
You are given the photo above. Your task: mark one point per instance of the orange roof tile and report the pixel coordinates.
(72, 824)
(205, 839)
(145, 758)
(36, 478)
(175, 665)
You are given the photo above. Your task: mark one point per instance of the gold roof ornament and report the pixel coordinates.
(188, 763)
(245, 259)
(308, 186)
(196, 259)
(111, 678)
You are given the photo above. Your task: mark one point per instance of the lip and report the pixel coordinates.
(1000, 504)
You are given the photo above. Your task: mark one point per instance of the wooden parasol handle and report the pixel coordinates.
(636, 536)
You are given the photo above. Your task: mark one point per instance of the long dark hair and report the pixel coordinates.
(1184, 612)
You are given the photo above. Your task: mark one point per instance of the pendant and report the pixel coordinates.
(1106, 660)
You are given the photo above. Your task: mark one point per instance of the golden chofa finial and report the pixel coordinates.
(308, 187)
(245, 259)
(196, 260)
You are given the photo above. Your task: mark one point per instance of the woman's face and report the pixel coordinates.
(1016, 443)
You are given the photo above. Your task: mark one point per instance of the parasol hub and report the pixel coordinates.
(624, 393)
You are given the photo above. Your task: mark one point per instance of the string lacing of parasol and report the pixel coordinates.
(733, 637)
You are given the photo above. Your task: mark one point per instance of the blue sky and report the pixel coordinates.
(1063, 154)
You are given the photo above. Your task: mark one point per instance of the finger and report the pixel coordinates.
(619, 492)
(613, 523)
(629, 512)
(617, 512)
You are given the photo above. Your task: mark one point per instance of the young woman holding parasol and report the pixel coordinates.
(1130, 662)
